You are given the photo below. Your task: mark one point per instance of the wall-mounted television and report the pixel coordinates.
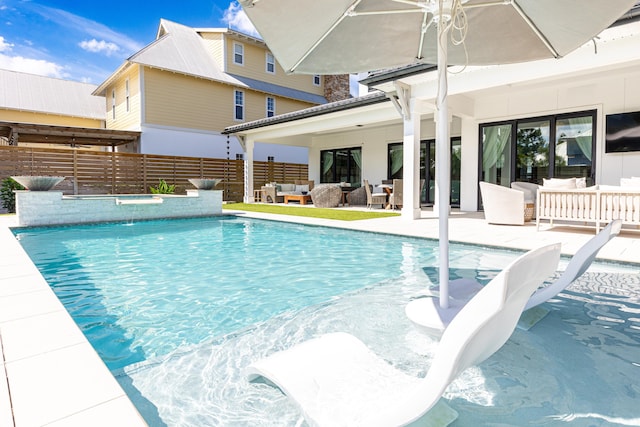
(623, 132)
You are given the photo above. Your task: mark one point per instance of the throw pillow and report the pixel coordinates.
(558, 183)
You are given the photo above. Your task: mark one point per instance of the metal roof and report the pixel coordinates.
(39, 94)
(281, 90)
(181, 49)
(318, 110)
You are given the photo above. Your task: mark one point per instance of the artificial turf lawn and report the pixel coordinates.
(339, 214)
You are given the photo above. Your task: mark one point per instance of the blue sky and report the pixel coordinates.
(86, 40)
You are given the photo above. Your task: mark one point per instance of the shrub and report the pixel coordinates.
(163, 188)
(7, 195)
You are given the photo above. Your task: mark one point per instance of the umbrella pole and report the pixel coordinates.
(443, 167)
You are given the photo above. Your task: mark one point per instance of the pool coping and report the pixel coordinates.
(50, 365)
(53, 375)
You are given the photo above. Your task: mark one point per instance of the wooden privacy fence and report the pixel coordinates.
(97, 172)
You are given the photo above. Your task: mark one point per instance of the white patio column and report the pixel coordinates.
(248, 170)
(411, 163)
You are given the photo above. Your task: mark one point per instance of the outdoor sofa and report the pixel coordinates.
(274, 192)
(599, 204)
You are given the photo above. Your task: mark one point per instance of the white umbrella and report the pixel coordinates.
(351, 36)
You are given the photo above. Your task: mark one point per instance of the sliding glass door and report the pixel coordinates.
(428, 168)
(341, 165)
(530, 150)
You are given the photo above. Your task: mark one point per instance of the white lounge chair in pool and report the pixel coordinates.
(337, 381)
(427, 314)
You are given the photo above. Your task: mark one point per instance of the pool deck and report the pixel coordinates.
(55, 378)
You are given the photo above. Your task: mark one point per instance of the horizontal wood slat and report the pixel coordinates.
(94, 172)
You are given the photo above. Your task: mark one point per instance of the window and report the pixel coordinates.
(238, 54)
(126, 94)
(239, 156)
(316, 80)
(341, 165)
(427, 168)
(113, 104)
(271, 63)
(239, 105)
(531, 149)
(271, 106)
(271, 159)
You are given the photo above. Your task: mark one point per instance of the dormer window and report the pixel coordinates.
(238, 53)
(271, 63)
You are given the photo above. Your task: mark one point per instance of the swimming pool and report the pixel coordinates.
(177, 309)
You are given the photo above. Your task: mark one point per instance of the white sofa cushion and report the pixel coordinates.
(562, 184)
(633, 182)
(285, 188)
(300, 188)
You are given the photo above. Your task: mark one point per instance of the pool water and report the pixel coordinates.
(178, 309)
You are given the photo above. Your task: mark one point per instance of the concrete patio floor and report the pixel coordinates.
(55, 378)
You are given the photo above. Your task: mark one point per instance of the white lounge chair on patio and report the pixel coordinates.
(337, 381)
(503, 205)
(427, 314)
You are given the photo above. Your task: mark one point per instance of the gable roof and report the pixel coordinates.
(39, 94)
(181, 49)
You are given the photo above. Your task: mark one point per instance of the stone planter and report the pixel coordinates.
(205, 183)
(38, 183)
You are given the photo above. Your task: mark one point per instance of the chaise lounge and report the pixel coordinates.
(336, 380)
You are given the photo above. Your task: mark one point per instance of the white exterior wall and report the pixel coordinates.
(374, 142)
(608, 94)
(35, 208)
(193, 143)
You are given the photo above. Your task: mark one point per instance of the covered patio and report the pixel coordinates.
(597, 79)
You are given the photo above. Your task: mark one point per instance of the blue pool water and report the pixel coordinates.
(178, 309)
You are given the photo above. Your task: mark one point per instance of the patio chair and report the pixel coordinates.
(337, 381)
(395, 200)
(374, 198)
(502, 205)
(429, 317)
(530, 191)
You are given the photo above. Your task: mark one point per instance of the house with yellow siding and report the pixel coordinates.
(183, 89)
(28, 99)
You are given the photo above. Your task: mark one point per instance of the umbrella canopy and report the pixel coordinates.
(351, 36)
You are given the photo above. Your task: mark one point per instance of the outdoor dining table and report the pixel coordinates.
(346, 189)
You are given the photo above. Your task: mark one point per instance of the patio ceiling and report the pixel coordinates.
(65, 135)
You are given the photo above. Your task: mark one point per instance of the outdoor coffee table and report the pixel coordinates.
(302, 198)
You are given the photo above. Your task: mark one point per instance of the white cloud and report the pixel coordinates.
(31, 66)
(94, 29)
(4, 45)
(235, 18)
(93, 45)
